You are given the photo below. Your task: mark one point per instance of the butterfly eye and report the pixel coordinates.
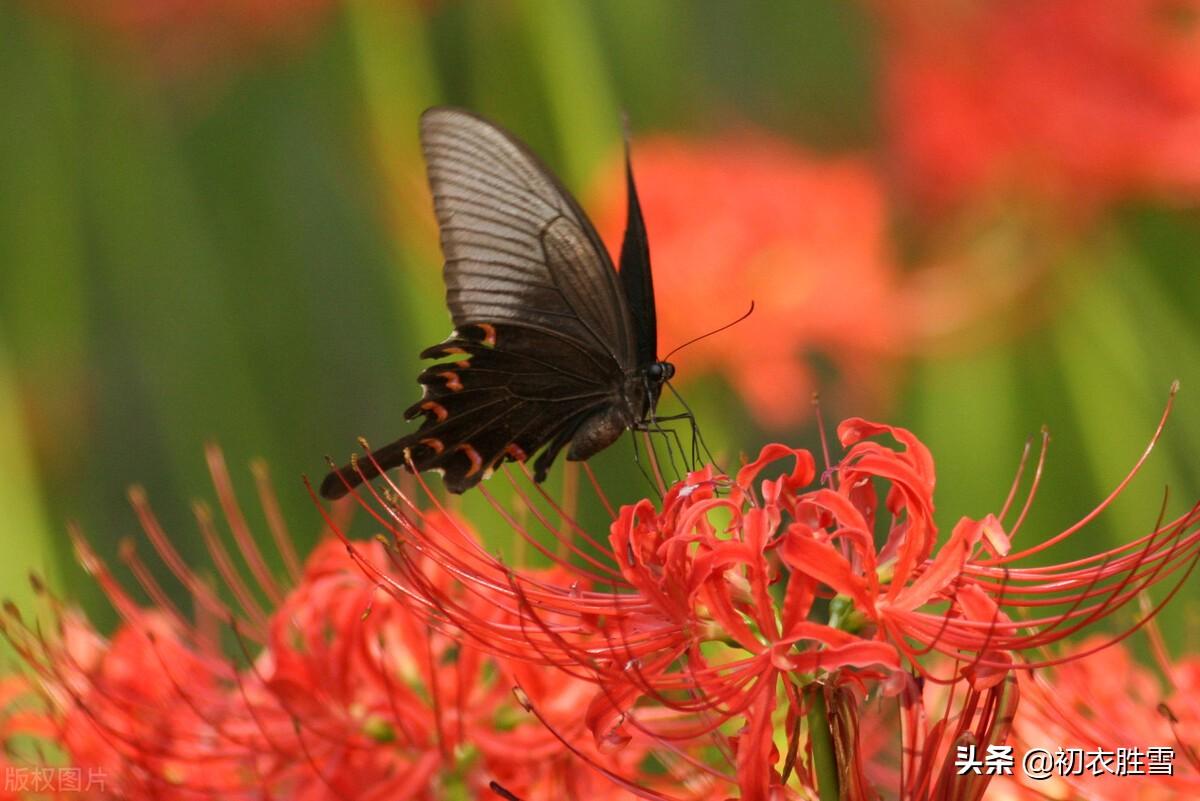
(660, 371)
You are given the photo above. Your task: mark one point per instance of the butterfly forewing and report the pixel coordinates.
(517, 247)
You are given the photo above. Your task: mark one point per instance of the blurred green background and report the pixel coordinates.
(235, 247)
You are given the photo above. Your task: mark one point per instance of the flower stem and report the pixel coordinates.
(821, 737)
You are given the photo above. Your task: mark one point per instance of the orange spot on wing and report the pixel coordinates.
(489, 334)
(452, 382)
(434, 445)
(473, 455)
(439, 411)
(516, 452)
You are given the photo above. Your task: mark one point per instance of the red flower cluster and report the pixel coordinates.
(1105, 702)
(341, 692)
(706, 625)
(1056, 97)
(753, 218)
(763, 635)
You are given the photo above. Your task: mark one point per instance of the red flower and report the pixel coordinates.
(179, 35)
(690, 638)
(700, 628)
(21, 722)
(1054, 97)
(1104, 702)
(730, 637)
(342, 692)
(934, 721)
(965, 597)
(755, 218)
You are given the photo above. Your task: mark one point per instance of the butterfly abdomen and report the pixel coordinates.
(598, 431)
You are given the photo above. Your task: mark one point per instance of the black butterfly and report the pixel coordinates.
(553, 348)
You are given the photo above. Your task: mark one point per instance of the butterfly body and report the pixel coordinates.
(552, 347)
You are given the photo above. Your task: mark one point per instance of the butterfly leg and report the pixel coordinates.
(697, 434)
(651, 426)
(695, 449)
(637, 459)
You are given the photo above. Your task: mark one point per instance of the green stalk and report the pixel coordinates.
(967, 406)
(162, 270)
(576, 80)
(41, 281)
(24, 538)
(1111, 385)
(398, 81)
(821, 736)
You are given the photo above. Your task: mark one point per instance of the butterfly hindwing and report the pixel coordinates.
(504, 397)
(636, 280)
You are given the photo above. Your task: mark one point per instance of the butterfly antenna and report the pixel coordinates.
(749, 312)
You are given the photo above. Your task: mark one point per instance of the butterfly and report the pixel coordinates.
(552, 347)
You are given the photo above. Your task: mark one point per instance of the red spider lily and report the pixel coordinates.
(342, 692)
(688, 624)
(20, 718)
(756, 218)
(180, 35)
(966, 596)
(1045, 96)
(1106, 702)
(688, 638)
(735, 633)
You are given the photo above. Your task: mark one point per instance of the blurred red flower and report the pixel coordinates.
(341, 691)
(21, 718)
(1109, 701)
(1076, 103)
(752, 217)
(179, 35)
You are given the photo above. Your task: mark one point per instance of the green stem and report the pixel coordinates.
(578, 88)
(823, 752)
(398, 81)
(25, 535)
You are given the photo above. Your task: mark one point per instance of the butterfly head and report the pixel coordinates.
(658, 373)
(653, 376)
